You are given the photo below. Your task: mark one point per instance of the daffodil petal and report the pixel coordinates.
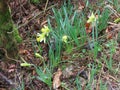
(38, 39)
(41, 38)
(65, 38)
(45, 30)
(91, 19)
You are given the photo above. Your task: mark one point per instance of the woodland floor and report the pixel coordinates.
(30, 18)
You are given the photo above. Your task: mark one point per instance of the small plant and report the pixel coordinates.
(21, 86)
(92, 76)
(78, 83)
(103, 86)
(44, 76)
(103, 19)
(116, 5)
(109, 62)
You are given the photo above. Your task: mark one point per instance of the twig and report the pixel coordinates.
(110, 76)
(6, 55)
(46, 5)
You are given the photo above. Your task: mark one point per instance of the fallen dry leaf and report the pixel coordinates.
(88, 28)
(56, 79)
(12, 68)
(109, 33)
(23, 51)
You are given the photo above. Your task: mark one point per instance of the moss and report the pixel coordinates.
(9, 35)
(16, 34)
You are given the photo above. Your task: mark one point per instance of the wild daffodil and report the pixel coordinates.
(41, 37)
(65, 38)
(45, 30)
(91, 19)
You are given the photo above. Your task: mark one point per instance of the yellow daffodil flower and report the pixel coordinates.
(45, 30)
(41, 37)
(65, 38)
(91, 19)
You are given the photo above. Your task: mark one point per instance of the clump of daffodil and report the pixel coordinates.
(42, 37)
(65, 38)
(91, 19)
